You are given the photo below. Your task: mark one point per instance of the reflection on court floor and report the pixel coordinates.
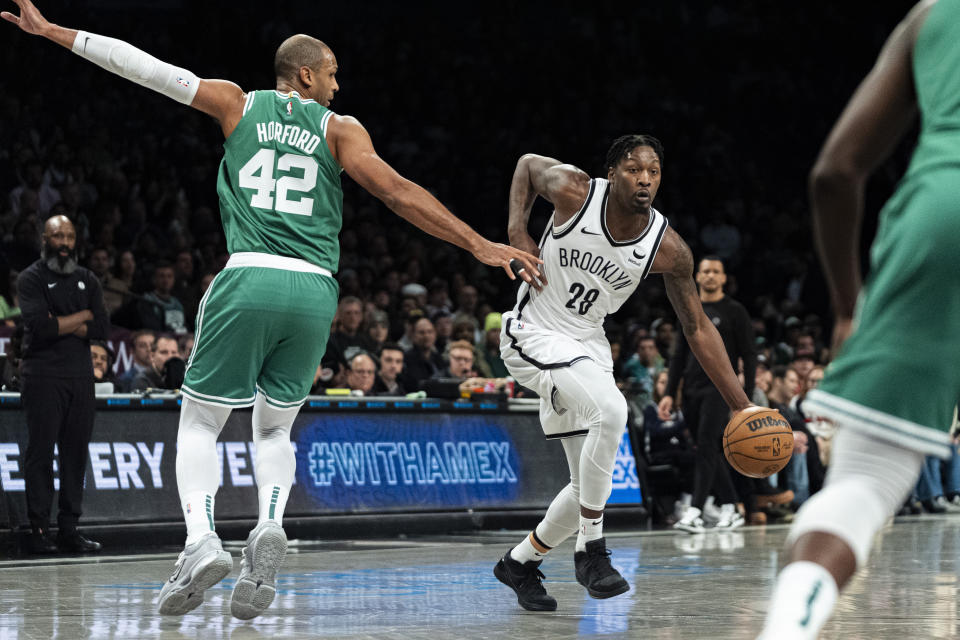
(710, 585)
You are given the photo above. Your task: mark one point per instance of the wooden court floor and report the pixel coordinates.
(707, 586)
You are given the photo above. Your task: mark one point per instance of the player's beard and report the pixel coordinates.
(64, 265)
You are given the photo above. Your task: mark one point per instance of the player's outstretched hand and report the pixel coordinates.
(525, 265)
(30, 19)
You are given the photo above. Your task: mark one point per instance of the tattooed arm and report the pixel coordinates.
(675, 261)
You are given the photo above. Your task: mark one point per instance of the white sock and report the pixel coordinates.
(525, 551)
(273, 500)
(590, 529)
(802, 602)
(198, 512)
(274, 463)
(198, 471)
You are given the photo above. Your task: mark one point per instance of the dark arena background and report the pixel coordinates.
(402, 505)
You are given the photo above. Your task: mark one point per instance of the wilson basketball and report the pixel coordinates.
(758, 442)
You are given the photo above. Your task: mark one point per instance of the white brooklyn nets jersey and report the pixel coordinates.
(589, 274)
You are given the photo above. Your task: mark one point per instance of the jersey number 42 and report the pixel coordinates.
(258, 172)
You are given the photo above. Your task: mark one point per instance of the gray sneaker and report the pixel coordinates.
(262, 557)
(200, 566)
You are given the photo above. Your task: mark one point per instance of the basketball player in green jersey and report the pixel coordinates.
(893, 386)
(262, 326)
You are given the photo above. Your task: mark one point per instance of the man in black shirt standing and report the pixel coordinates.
(63, 310)
(704, 409)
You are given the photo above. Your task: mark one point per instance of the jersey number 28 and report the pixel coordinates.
(577, 290)
(258, 174)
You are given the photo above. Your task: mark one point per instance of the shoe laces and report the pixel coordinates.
(530, 580)
(598, 561)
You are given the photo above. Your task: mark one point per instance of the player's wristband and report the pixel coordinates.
(133, 64)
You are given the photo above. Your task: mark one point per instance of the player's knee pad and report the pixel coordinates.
(867, 482)
(562, 519)
(272, 422)
(200, 417)
(614, 415)
(607, 431)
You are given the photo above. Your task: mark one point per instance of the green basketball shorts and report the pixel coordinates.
(261, 329)
(897, 376)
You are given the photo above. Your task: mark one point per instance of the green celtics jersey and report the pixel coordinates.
(279, 185)
(936, 59)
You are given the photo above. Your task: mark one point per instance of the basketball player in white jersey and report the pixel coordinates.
(603, 239)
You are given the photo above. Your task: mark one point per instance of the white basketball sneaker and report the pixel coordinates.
(200, 566)
(262, 557)
(730, 518)
(691, 522)
(711, 512)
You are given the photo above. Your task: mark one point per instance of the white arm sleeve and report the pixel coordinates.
(133, 64)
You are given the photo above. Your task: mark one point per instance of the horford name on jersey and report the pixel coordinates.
(289, 134)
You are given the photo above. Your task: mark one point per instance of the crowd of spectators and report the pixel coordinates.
(452, 106)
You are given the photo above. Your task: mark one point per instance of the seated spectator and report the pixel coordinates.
(762, 381)
(378, 330)
(460, 361)
(9, 312)
(416, 291)
(361, 373)
(391, 366)
(785, 349)
(143, 343)
(126, 270)
(347, 333)
(164, 362)
(160, 310)
(468, 299)
(205, 281)
(642, 368)
(102, 367)
(438, 297)
(784, 385)
(423, 361)
(114, 289)
(443, 323)
(818, 431)
(662, 331)
(489, 363)
(667, 441)
(185, 288)
(185, 345)
(411, 314)
(804, 360)
(463, 329)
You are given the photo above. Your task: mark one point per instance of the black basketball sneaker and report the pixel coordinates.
(595, 572)
(525, 580)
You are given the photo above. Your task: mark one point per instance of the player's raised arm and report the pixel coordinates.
(873, 122)
(675, 262)
(220, 99)
(353, 149)
(563, 185)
